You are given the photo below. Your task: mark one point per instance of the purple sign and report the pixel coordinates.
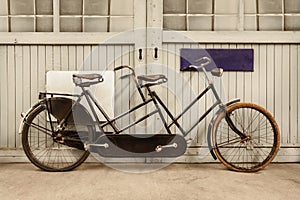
(228, 59)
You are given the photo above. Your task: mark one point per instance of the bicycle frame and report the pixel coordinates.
(153, 98)
(157, 102)
(250, 149)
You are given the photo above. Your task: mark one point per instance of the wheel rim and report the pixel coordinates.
(253, 152)
(45, 151)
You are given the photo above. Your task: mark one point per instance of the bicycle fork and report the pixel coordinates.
(233, 127)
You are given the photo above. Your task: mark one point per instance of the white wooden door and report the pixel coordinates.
(233, 24)
(80, 38)
(38, 39)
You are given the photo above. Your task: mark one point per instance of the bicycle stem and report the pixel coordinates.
(205, 73)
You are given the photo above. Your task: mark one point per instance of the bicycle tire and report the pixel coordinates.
(42, 150)
(255, 152)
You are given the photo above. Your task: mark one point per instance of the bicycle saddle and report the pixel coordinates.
(77, 79)
(153, 78)
(88, 76)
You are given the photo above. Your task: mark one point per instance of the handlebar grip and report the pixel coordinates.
(206, 59)
(185, 68)
(124, 66)
(190, 67)
(118, 68)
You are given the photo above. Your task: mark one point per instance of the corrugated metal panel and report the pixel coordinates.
(3, 99)
(23, 74)
(274, 83)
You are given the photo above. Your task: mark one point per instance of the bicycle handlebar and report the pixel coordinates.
(122, 67)
(118, 68)
(125, 66)
(208, 61)
(201, 66)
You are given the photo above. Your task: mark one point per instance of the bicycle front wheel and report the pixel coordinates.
(61, 153)
(257, 149)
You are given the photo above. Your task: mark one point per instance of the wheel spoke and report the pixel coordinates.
(229, 142)
(40, 128)
(255, 151)
(45, 152)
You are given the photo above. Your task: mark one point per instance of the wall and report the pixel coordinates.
(274, 84)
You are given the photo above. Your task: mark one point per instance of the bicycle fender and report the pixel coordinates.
(210, 127)
(25, 115)
(58, 107)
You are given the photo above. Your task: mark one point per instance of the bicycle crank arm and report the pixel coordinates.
(87, 146)
(161, 147)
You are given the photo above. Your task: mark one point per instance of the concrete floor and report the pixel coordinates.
(177, 181)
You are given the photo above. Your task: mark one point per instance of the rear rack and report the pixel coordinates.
(43, 95)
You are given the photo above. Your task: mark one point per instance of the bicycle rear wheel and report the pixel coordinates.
(61, 153)
(262, 140)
